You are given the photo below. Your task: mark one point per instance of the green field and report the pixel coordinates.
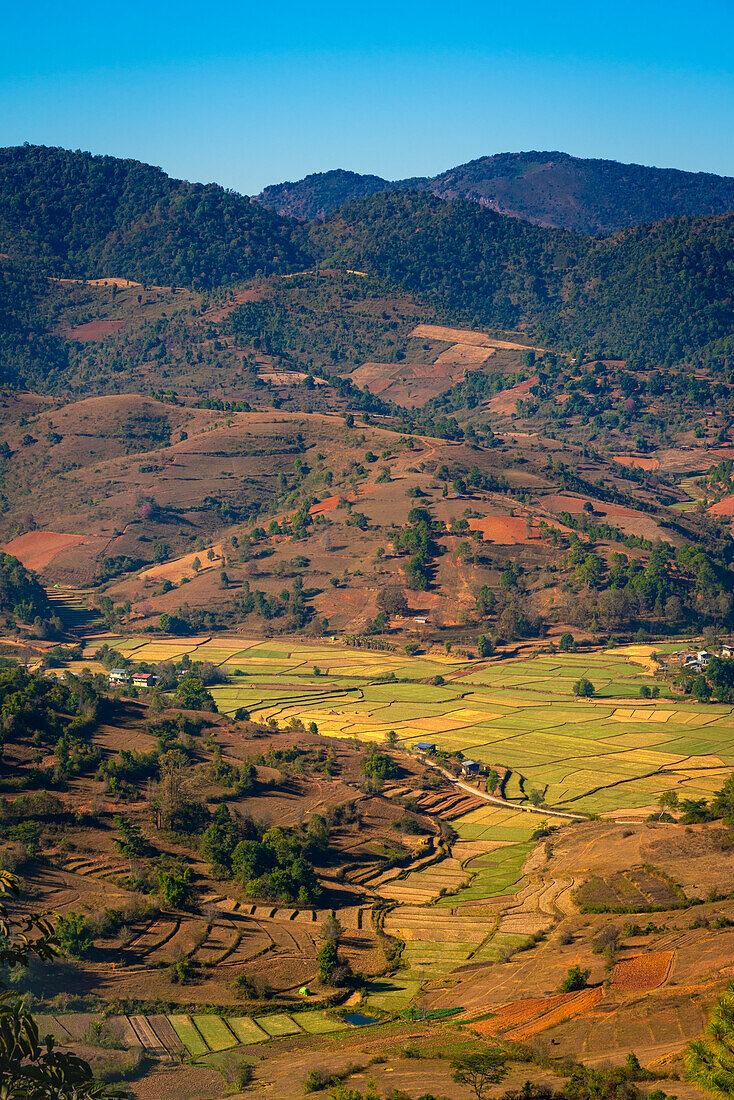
(614, 752)
(318, 1023)
(188, 1035)
(279, 1025)
(246, 1030)
(215, 1032)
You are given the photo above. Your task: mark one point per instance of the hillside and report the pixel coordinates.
(349, 586)
(74, 214)
(547, 188)
(662, 291)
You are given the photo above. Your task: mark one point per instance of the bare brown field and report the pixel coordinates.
(410, 384)
(523, 1020)
(504, 403)
(92, 330)
(466, 355)
(723, 507)
(646, 971)
(506, 530)
(642, 462)
(466, 336)
(37, 549)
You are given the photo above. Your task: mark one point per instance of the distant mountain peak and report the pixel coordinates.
(551, 188)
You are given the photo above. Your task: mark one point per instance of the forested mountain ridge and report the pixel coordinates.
(663, 291)
(464, 258)
(319, 194)
(73, 214)
(547, 188)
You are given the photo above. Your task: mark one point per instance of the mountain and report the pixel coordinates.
(319, 194)
(73, 214)
(547, 188)
(661, 291)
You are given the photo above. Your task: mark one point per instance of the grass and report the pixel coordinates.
(215, 1032)
(247, 1030)
(500, 874)
(188, 1035)
(318, 1023)
(279, 1025)
(616, 751)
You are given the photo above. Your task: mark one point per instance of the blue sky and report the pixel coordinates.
(249, 94)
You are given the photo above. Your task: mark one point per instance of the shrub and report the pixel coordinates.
(575, 979)
(316, 1080)
(74, 936)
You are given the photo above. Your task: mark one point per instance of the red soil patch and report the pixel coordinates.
(37, 549)
(521, 1020)
(329, 504)
(504, 402)
(92, 330)
(559, 502)
(646, 971)
(642, 462)
(219, 312)
(506, 530)
(724, 507)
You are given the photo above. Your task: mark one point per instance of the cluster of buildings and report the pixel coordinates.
(137, 679)
(428, 748)
(697, 662)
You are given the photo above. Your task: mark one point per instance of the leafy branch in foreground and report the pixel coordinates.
(710, 1060)
(30, 1068)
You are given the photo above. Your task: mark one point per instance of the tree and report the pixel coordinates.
(131, 843)
(720, 672)
(722, 804)
(701, 689)
(668, 800)
(175, 885)
(583, 688)
(565, 642)
(74, 936)
(392, 600)
(575, 979)
(479, 1070)
(29, 1068)
(709, 1061)
(484, 646)
(192, 695)
(328, 960)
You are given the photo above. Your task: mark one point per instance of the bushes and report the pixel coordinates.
(74, 936)
(376, 767)
(574, 980)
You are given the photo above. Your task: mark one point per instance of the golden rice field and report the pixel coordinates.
(613, 753)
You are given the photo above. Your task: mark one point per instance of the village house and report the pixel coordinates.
(144, 679)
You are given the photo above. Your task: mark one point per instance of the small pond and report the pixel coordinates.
(357, 1019)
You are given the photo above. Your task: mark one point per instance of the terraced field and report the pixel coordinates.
(478, 898)
(615, 752)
